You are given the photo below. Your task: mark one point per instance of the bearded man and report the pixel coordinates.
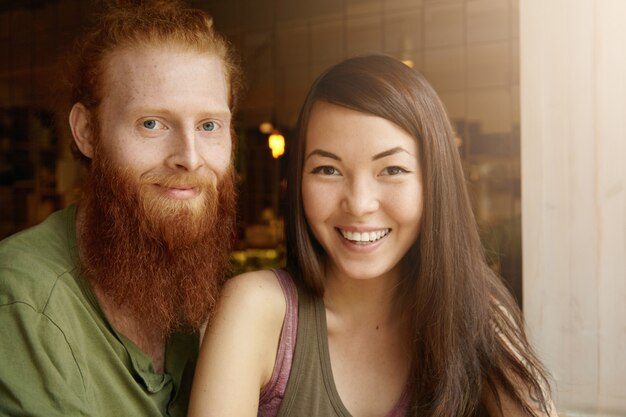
(101, 304)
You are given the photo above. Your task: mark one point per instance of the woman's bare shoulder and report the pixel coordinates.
(257, 297)
(239, 349)
(257, 288)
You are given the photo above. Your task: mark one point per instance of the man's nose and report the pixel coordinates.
(184, 152)
(360, 197)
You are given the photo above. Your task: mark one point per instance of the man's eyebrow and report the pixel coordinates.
(325, 154)
(389, 152)
(219, 113)
(225, 114)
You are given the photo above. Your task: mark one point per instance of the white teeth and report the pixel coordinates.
(364, 237)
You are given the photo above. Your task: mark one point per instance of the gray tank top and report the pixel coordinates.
(309, 389)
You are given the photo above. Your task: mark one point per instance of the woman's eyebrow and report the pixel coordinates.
(331, 155)
(389, 152)
(323, 153)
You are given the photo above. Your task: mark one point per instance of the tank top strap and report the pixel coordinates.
(274, 392)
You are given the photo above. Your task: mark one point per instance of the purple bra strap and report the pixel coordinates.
(273, 393)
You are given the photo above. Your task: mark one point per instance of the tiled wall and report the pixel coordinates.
(468, 49)
(37, 174)
(31, 40)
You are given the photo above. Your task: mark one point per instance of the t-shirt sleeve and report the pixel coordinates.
(39, 375)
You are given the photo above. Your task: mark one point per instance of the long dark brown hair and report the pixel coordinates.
(467, 332)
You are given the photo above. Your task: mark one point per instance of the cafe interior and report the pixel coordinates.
(571, 66)
(468, 50)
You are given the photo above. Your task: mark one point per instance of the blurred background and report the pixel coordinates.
(468, 50)
(560, 141)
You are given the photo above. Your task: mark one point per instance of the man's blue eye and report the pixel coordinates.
(209, 126)
(150, 124)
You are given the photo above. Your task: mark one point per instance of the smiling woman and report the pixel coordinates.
(361, 177)
(388, 307)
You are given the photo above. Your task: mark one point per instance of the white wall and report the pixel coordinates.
(573, 113)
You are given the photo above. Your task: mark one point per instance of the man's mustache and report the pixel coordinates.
(178, 180)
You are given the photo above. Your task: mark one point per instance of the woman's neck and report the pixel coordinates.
(358, 303)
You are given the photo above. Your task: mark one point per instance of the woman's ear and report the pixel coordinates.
(81, 129)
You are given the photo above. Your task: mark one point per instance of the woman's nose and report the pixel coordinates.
(361, 197)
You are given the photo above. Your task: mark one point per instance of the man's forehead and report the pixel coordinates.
(142, 71)
(146, 55)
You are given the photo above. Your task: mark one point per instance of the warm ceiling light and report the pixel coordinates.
(408, 62)
(266, 128)
(276, 143)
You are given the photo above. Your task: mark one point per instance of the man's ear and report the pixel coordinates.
(80, 123)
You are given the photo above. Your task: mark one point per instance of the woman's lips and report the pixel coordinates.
(364, 237)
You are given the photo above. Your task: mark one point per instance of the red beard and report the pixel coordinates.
(161, 260)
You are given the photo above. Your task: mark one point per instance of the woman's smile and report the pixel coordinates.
(363, 237)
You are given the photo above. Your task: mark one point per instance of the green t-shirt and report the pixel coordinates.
(59, 356)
